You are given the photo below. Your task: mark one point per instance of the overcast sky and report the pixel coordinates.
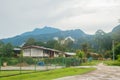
(18, 16)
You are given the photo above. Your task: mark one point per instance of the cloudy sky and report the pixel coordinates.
(18, 16)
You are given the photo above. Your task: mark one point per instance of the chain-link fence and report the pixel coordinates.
(20, 65)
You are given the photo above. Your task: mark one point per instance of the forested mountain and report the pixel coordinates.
(45, 30)
(99, 42)
(116, 33)
(44, 34)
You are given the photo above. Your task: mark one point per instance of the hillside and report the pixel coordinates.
(44, 34)
(48, 33)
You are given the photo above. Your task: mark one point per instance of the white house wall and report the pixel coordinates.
(33, 52)
(36, 52)
(26, 52)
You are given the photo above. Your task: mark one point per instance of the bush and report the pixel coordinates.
(28, 60)
(112, 63)
(63, 61)
(15, 61)
(118, 58)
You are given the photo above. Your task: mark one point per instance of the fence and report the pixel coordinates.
(20, 65)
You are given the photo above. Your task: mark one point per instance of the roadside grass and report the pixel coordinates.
(112, 63)
(91, 63)
(13, 72)
(49, 75)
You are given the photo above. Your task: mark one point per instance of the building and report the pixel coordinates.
(69, 54)
(38, 51)
(17, 52)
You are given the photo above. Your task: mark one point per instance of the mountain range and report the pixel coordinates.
(49, 33)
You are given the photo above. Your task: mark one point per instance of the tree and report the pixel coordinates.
(30, 41)
(85, 48)
(39, 43)
(55, 45)
(108, 54)
(1, 47)
(99, 39)
(117, 50)
(80, 54)
(118, 57)
(7, 50)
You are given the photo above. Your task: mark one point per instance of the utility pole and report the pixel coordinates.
(113, 50)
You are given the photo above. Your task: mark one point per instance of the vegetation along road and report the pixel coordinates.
(103, 72)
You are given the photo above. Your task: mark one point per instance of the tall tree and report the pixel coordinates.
(85, 48)
(30, 41)
(99, 39)
(117, 50)
(80, 54)
(7, 50)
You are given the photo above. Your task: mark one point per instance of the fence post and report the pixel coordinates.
(0, 63)
(35, 64)
(21, 59)
(63, 62)
(20, 64)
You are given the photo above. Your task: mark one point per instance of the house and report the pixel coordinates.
(17, 52)
(38, 51)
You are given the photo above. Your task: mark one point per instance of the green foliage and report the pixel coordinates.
(80, 54)
(118, 58)
(15, 61)
(112, 63)
(12, 61)
(108, 54)
(102, 42)
(30, 41)
(85, 47)
(6, 50)
(91, 63)
(27, 60)
(117, 50)
(63, 61)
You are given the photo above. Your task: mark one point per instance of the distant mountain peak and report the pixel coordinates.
(44, 30)
(117, 28)
(45, 34)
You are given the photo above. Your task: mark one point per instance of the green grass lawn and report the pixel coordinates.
(6, 73)
(112, 63)
(91, 63)
(49, 75)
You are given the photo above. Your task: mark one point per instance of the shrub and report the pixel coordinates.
(118, 58)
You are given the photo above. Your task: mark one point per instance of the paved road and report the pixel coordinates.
(102, 73)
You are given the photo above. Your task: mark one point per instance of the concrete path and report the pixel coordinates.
(103, 72)
(31, 67)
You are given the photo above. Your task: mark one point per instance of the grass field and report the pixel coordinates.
(8, 73)
(48, 75)
(91, 63)
(112, 63)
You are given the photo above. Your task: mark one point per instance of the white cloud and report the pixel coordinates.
(17, 17)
